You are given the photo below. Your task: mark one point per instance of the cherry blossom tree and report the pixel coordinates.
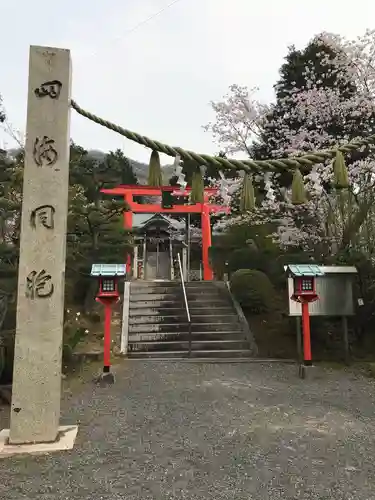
(238, 120)
(324, 98)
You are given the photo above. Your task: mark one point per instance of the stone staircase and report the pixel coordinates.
(158, 325)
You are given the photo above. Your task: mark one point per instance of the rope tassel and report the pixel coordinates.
(154, 170)
(247, 200)
(197, 187)
(340, 171)
(305, 161)
(298, 188)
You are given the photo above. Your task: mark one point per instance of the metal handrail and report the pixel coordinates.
(185, 299)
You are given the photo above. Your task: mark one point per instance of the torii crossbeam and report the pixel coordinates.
(205, 209)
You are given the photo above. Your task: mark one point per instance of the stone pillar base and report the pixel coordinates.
(65, 441)
(105, 378)
(306, 371)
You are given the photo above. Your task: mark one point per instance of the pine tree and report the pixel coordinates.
(95, 223)
(10, 204)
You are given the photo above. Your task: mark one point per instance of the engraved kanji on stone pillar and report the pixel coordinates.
(36, 393)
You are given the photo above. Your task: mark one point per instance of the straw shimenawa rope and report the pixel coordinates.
(304, 162)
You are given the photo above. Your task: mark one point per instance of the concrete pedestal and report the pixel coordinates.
(306, 371)
(65, 441)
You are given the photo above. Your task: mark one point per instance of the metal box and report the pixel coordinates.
(335, 291)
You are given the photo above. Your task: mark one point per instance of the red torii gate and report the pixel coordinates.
(205, 209)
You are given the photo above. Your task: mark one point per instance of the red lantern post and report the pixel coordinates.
(307, 359)
(108, 295)
(304, 292)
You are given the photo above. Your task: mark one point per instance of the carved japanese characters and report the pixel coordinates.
(51, 89)
(44, 215)
(39, 285)
(44, 153)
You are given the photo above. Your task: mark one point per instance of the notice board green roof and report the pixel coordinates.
(108, 270)
(305, 270)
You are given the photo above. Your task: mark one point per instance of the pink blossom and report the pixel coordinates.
(328, 216)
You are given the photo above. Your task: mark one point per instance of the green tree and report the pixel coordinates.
(95, 227)
(323, 98)
(311, 70)
(95, 222)
(10, 203)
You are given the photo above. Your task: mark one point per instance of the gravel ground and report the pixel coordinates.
(208, 431)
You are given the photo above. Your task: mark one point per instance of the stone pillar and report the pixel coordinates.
(171, 263)
(35, 412)
(184, 263)
(144, 267)
(135, 261)
(206, 242)
(125, 319)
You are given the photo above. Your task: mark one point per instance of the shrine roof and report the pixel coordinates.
(316, 270)
(108, 270)
(142, 220)
(305, 270)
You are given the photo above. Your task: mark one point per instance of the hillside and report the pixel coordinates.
(140, 169)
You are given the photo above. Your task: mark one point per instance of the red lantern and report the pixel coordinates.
(108, 288)
(108, 294)
(304, 291)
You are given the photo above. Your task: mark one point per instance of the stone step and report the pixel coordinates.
(196, 318)
(222, 335)
(222, 353)
(157, 320)
(141, 283)
(139, 297)
(204, 359)
(135, 304)
(144, 303)
(153, 289)
(196, 345)
(172, 311)
(176, 285)
(158, 326)
(208, 297)
(184, 327)
(200, 290)
(153, 286)
(202, 284)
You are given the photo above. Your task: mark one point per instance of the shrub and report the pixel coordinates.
(95, 317)
(74, 333)
(251, 259)
(253, 290)
(72, 337)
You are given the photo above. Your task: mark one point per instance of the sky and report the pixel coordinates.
(156, 74)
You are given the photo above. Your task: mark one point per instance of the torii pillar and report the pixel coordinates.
(128, 224)
(204, 209)
(208, 274)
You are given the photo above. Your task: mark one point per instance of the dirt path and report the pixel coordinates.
(194, 431)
